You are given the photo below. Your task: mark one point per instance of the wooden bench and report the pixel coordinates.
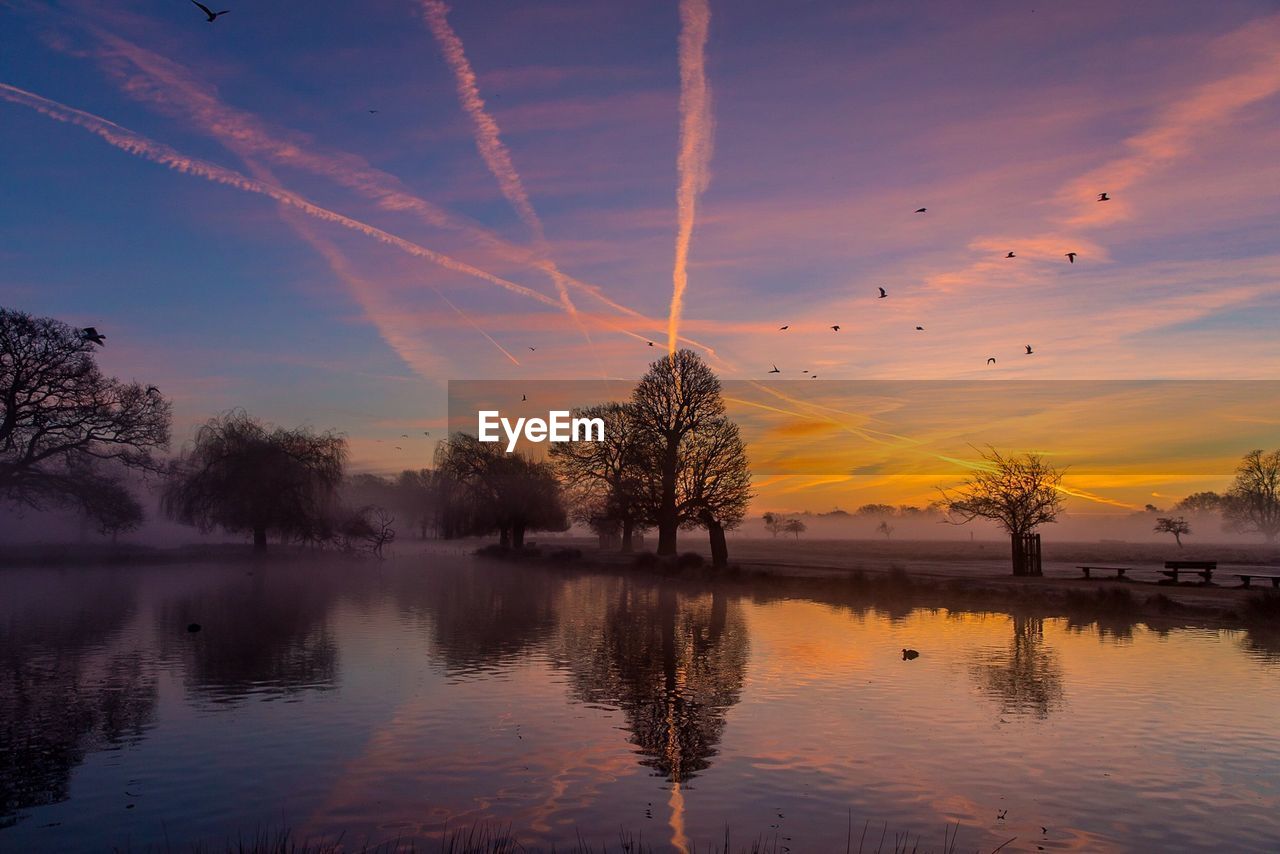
(1202, 568)
(1246, 577)
(1118, 570)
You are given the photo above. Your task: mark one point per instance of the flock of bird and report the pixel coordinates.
(991, 360)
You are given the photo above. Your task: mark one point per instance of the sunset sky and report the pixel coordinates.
(221, 202)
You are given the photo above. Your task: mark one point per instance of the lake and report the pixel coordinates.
(379, 703)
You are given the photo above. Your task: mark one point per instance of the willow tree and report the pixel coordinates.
(678, 395)
(1019, 493)
(241, 475)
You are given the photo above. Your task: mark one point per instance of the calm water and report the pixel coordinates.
(380, 701)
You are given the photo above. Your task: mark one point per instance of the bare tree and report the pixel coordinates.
(368, 528)
(1018, 493)
(1252, 505)
(794, 526)
(62, 422)
(606, 479)
(714, 483)
(773, 523)
(241, 475)
(1175, 525)
(678, 395)
(885, 528)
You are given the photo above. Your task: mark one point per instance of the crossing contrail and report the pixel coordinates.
(136, 144)
(489, 143)
(694, 157)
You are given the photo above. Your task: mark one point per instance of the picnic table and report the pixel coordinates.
(1118, 570)
(1202, 568)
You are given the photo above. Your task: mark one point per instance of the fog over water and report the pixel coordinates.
(378, 700)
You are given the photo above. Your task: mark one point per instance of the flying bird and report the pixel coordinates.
(814, 377)
(991, 360)
(921, 210)
(775, 370)
(1029, 350)
(919, 329)
(784, 328)
(650, 343)
(373, 112)
(404, 435)
(398, 448)
(1011, 255)
(209, 13)
(1103, 197)
(90, 333)
(525, 397)
(883, 294)
(533, 349)
(1071, 256)
(804, 372)
(426, 432)
(836, 328)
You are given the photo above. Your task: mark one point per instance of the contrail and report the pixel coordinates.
(384, 317)
(489, 143)
(168, 85)
(694, 158)
(133, 143)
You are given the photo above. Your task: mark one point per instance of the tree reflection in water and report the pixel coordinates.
(674, 662)
(69, 685)
(1026, 678)
(266, 635)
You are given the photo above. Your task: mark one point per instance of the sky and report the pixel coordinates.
(583, 178)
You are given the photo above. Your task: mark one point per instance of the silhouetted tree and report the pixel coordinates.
(1252, 505)
(875, 510)
(497, 491)
(714, 483)
(605, 479)
(1198, 503)
(773, 523)
(795, 527)
(63, 423)
(244, 476)
(1173, 525)
(885, 528)
(368, 528)
(1018, 493)
(678, 395)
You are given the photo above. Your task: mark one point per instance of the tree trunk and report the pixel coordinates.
(719, 548)
(668, 522)
(259, 539)
(504, 537)
(517, 536)
(628, 527)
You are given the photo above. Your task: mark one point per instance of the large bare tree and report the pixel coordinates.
(244, 476)
(1252, 505)
(678, 395)
(1019, 493)
(66, 429)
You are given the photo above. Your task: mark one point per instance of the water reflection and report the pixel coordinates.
(262, 633)
(674, 663)
(68, 686)
(1026, 677)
